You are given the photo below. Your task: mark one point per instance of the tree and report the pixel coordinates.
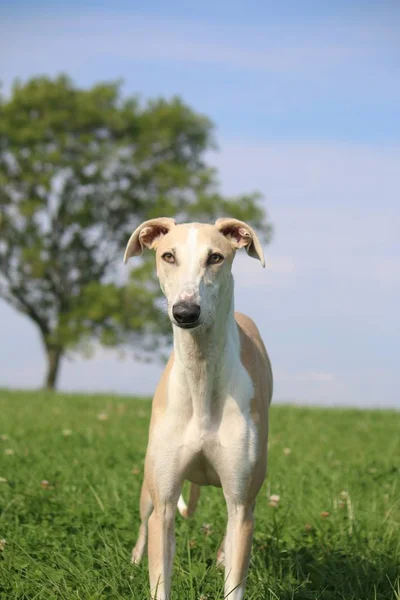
(79, 170)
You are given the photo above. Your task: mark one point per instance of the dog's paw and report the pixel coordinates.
(136, 557)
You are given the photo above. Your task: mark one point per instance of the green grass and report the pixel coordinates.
(73, 539)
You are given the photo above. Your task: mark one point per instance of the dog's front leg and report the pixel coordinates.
(161, 547)
(238, 541)
(164, 470)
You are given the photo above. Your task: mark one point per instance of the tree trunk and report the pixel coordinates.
(54, 356)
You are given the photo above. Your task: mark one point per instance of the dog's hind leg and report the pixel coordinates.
(146, 508)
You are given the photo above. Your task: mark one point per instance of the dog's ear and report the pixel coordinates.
(241, 235)
(147, 235)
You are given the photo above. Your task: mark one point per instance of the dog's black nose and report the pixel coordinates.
(186, 313)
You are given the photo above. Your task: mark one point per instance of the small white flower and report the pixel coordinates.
(103, 416)
(274, 500)
(4, 437)
(3, 543)
(206, 529)
(67, 432)
(9, 451)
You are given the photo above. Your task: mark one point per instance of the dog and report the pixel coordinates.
(209, 421)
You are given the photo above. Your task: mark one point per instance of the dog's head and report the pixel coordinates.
(194, 263)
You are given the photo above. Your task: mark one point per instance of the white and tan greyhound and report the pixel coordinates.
(209, 422)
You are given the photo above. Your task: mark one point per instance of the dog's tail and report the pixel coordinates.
(187, 510)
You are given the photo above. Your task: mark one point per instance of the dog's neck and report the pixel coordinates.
(202, 354)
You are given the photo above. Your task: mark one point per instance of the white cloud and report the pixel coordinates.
(327, 200)
(48, 43)
(294, 377)
(280, 264)
(341, 228)
(314, 377)
(249, 273)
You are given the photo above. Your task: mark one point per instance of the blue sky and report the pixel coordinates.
(305, 98)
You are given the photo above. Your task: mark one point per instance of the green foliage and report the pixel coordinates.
(79, 170)
(73, 538)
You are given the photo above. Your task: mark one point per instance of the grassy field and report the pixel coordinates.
(334, 534)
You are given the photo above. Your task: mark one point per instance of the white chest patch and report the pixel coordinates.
(208, 423)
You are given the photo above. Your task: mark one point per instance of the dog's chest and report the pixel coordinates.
(214, 427)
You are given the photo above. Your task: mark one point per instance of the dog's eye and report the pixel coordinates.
(168, 257)
(215, 258)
